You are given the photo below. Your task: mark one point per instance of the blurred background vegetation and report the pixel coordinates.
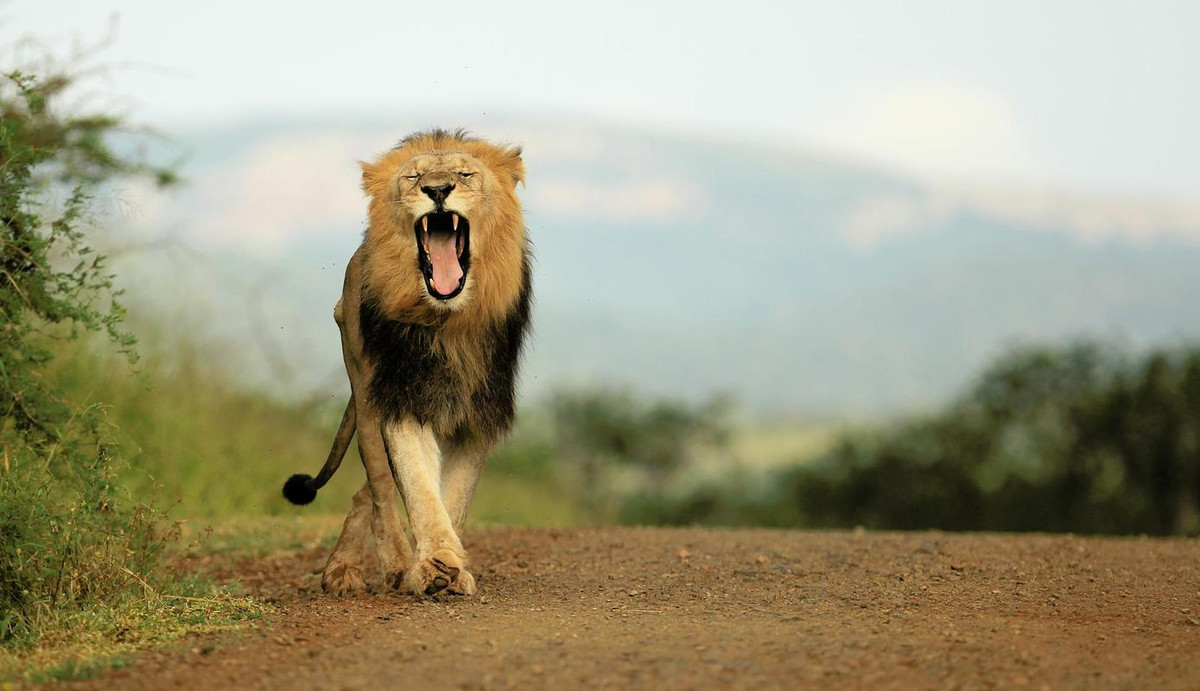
(1081, 438)
(1084, 437)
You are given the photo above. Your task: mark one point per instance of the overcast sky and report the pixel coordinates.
(1090, 94)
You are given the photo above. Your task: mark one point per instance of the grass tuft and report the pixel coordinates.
(88, 642)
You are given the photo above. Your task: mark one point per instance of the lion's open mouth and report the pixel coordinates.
(444, 246)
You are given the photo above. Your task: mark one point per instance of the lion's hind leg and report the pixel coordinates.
(344, 570)
(391, 542)
(374, 512)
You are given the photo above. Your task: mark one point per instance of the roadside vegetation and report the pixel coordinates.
(84, 573)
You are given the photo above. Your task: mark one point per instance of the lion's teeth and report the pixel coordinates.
(454, 220)
(425, 223)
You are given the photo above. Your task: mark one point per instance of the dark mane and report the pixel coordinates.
(411, 379)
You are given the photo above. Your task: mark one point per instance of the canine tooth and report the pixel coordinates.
(425, 223)
(454, 220)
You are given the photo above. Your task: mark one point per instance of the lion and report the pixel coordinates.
(433, 314)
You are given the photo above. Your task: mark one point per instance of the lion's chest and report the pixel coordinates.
(461, 383)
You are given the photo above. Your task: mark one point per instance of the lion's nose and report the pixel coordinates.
(439, 193)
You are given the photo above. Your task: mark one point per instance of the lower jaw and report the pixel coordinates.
(448, 298)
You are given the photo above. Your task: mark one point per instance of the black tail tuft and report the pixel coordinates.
(299, 489)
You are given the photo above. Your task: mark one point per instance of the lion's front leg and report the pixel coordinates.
(415, 460)
(461, 468)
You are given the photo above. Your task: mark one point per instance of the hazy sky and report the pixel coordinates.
(1089, 94)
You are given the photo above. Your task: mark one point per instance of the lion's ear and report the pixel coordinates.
(370, 175)
(511, 163)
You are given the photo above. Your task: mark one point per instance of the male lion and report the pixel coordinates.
(433, 313)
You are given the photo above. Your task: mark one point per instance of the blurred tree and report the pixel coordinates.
(1152, 430)
(602, 430)
(1076, 439)
(50, 274)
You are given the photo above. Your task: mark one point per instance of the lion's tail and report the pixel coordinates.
(301, 488)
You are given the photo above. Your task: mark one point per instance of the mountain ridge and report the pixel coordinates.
(684, 267)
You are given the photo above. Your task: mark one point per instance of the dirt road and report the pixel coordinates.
(691, 608)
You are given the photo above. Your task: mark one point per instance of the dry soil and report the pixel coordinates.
(702, 608)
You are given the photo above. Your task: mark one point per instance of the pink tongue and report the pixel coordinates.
(444, 255)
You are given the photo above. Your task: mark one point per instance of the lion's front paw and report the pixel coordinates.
(342, 580)
(435, 573)
(463, 585)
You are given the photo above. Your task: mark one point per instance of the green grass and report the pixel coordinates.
(90, 586)
(203, 446)
(83, 644)
(261, 536)
(211, 451)
(504, 499)
(501, 500)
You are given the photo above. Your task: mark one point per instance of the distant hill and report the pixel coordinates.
(682, 266)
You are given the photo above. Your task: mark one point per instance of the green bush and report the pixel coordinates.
(77, 558)
(1081, 439)
(609, 443)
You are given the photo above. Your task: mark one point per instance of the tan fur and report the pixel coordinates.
(435, 473)
(498, 234)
